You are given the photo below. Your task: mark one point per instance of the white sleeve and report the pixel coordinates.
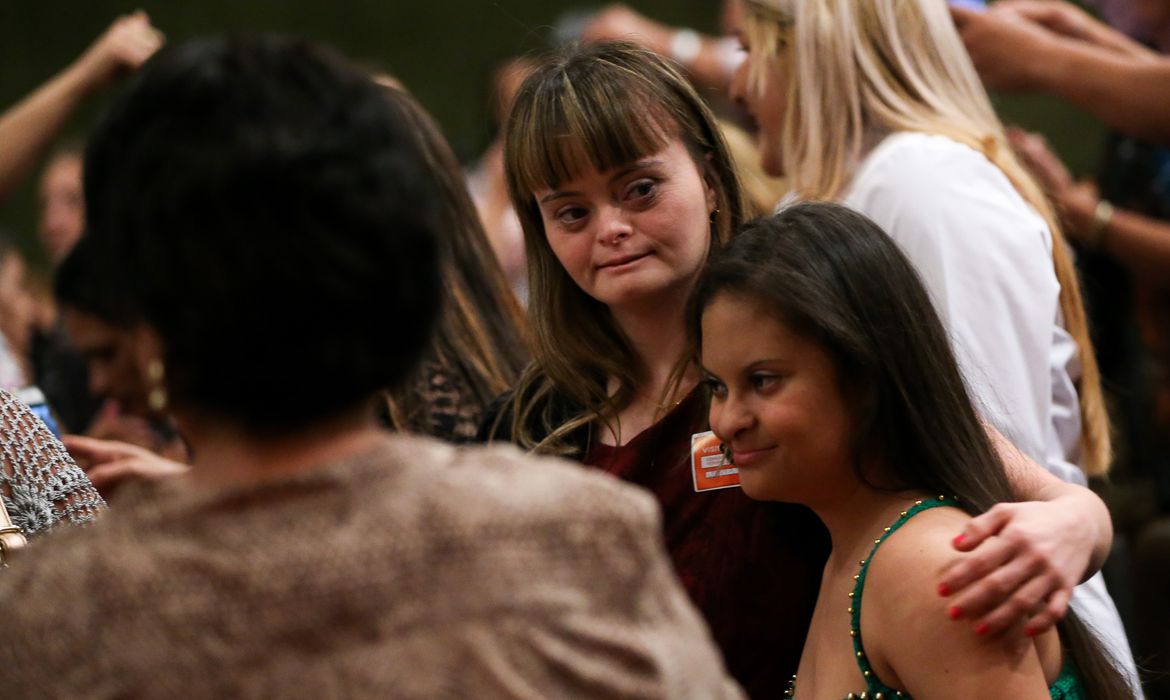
(984, 256)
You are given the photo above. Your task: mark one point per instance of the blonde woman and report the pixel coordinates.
(876, 104)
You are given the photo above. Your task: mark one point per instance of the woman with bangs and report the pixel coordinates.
(623, 185)
(876, 104)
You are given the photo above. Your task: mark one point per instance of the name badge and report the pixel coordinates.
(709, 466)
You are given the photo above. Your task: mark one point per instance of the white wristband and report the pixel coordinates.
(685, 46)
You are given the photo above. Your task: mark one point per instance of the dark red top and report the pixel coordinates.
(752, 568)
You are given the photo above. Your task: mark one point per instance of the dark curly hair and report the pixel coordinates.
(260, 204)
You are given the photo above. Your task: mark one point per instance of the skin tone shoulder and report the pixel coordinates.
(777, 401)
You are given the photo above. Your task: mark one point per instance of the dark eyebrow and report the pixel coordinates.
(559, 194)
(618, 174)
(631, 167)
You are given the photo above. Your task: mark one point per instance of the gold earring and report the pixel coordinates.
(156, 397)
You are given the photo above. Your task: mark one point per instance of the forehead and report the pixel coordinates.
(563, 131)
(738, 330)
(673, 157)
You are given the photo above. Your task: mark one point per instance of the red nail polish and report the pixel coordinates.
(959, 540)
(944, 590)
(954, 612)
(982, 628)
(1030, 631)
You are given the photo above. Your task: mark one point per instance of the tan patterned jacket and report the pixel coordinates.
(416, 571)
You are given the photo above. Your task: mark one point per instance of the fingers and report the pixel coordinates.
(105, 476)
(978, 529)
(975, 567)
(1052, 612)
(93, 450)
(135, 40)
(146, 466)
(963, 16)
(1005, 598)
(1012, 579)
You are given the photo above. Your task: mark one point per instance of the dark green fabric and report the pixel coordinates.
(1066, 686)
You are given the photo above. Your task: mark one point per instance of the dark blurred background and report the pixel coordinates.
(443, 51)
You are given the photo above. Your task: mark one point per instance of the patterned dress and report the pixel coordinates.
(40, 483)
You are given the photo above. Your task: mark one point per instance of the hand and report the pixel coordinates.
(1025, 560)
(125, 46)
(1058, 16)
(111, 424)
(1037, 155)
(1069, 21)
(1009, 51)
(1076, 201)
(109, 463)
(618, 22)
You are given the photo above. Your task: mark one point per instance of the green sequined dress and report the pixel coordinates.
(1065, 687)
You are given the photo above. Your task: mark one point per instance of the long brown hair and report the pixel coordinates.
(480, 332)
(834, 277)
(597, 107)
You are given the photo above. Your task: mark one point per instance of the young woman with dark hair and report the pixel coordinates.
(846, 397)
(876, 105)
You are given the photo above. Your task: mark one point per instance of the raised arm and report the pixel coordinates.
(27, 128)
(1072, 22)
(1130, 91)
(1138, 242)
(711, 61)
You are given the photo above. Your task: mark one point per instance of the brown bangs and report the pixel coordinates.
(604, 117)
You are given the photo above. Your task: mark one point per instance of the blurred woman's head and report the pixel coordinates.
(821, 74)
(61, 215)
(264, 225)
(100, 334)
(828, 79)
(17, 305)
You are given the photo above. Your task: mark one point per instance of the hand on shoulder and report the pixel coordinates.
(908, 637)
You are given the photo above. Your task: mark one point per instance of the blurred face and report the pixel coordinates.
(767, 106)
(777, 403)
(110, 358)
(636, 234)
(62, 210)
(17, 307)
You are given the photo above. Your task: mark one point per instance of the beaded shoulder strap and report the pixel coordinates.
(875, 688)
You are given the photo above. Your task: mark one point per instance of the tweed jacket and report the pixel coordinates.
(417, 570)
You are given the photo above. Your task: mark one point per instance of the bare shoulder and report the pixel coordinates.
(921, 542)
(902, 578)
(909, 637)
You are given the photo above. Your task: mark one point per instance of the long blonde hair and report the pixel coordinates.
(865, 66)
(595, 107)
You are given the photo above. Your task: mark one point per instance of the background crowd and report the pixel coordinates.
(118, 340)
